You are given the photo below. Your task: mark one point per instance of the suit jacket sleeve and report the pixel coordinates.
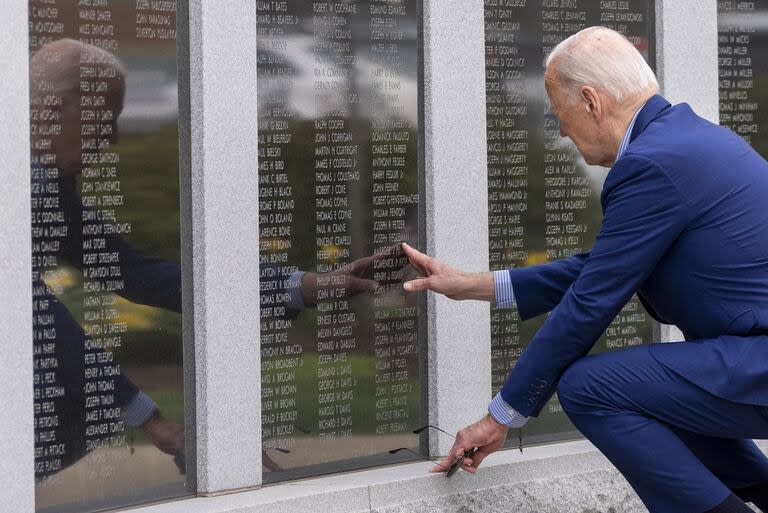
(147, 280)
(539, 288)
(643, 214)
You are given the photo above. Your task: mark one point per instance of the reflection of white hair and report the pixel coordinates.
(604, 59)
(56, 67)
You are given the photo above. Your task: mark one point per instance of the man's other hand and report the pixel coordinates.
(438, 277)
(168, 436)
(486, 434)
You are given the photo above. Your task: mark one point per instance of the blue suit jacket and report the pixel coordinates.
(685, 225)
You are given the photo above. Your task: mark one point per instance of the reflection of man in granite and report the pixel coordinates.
(685, 227)
(56, 73)
(56, 82)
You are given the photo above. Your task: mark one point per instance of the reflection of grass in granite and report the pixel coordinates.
(149, 183)
(149, 180)
(153, 336)
(170, 401)
(363, 402)
(160, 343)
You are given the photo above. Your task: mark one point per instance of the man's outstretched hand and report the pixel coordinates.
(168, 436)
(353, 279)
(438, 277)
(486, 434)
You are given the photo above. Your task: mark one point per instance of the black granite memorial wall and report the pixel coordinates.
(743, 70)
(543, 199)
(339, 190)
(108, 385)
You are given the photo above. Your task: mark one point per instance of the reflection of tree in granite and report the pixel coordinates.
(363, 373)
(154, 334)
(341, 107)
(156, 216)
(94, 392)
(299, 157)
(359, 367)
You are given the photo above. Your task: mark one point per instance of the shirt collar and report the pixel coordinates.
(628, 133)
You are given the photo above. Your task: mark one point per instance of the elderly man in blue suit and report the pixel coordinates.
(685, 226)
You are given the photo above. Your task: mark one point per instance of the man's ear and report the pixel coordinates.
(591, 101)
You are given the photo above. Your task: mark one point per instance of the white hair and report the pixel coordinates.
(604, 59)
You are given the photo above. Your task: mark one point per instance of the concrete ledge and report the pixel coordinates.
(557, 478)
(459, 332)
(569, 476)
(224, 250)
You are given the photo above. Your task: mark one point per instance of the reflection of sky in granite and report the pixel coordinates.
(308, 76)
(151, 100)
(151, 95)
(752, 19)
(298, 93)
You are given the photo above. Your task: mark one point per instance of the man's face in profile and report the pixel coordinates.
(577, 121)
(79, 115)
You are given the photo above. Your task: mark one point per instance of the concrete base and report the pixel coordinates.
(570, 477)
(603, 491)
(565, 477)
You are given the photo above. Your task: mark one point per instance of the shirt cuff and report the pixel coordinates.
(139, 410)
(293, 286)
(505, 414)
(505, 295)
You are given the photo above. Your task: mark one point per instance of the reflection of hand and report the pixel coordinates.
(349, 281)
(166, 435)
(486, 435)
(444, 279)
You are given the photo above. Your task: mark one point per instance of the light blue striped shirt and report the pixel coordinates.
(505, 298)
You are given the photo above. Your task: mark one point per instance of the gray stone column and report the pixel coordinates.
(220, 147)
(16, 443)
(686, 58)
(686, 53)
(456, 197)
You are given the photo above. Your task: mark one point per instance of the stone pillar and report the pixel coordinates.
(16, 443)
(686, 54)
(456, 201)
(686, 57)
(221, 227)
